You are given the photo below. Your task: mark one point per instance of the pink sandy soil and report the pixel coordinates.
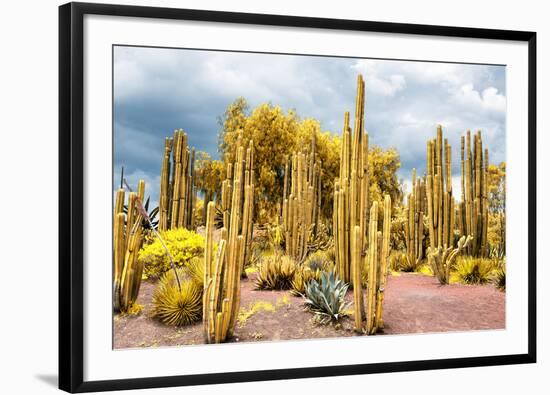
(414, 303)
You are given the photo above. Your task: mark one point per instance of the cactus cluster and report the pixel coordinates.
(441, 259)
(301, 200)
(177, 184)
(128, 235)
(376, 262)
(351, 189)
(221, 296)
(441, 208)
(414, 225)
(473, 213)
(439, 192)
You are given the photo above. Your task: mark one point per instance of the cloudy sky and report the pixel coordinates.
(158, 90)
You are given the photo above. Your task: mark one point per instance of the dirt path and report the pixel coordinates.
(414, 303)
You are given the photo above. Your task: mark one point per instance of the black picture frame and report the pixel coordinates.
(71, 203)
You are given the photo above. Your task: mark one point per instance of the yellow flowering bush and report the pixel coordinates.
(183, 245)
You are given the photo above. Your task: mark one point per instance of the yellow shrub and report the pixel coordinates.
(183, 245)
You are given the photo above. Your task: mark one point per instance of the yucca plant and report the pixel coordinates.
(471, 270)
(175, 306)
(276, 272)
(326, 297)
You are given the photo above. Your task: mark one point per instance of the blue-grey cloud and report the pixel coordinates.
(158, 90)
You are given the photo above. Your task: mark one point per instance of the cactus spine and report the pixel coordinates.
(351, 188)
(376, 262)
(127, 241)
(301, 204)
(474, 210)
(414, 226)
(221, 297)
(177, 184)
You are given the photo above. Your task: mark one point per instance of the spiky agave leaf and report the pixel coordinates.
(176, 307)
(326, 297)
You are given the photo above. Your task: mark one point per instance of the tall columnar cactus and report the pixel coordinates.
(301, 203)
(221, 297)
(376, 262)
(473, 212)
(127, 241)
(414, 226)
(351, 188)
(177, 184)
(165, 192)
(439, 192)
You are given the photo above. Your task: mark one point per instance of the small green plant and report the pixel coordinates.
(471, 270)
(326, 298)
(175, 306)
(276, 272)
(183, 245)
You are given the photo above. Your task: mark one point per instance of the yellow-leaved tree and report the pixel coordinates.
(209, 175)
(277, 135)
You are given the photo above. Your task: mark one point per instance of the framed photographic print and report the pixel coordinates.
(239, 188)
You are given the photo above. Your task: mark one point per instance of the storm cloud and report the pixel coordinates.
(157, 90)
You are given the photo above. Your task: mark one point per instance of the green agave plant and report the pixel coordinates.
(326, 297)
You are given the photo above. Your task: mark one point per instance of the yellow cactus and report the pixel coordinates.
(301, 203)
(221, 295)
(351, 188)
(177, 184)
(473, 211)
(127, 241)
